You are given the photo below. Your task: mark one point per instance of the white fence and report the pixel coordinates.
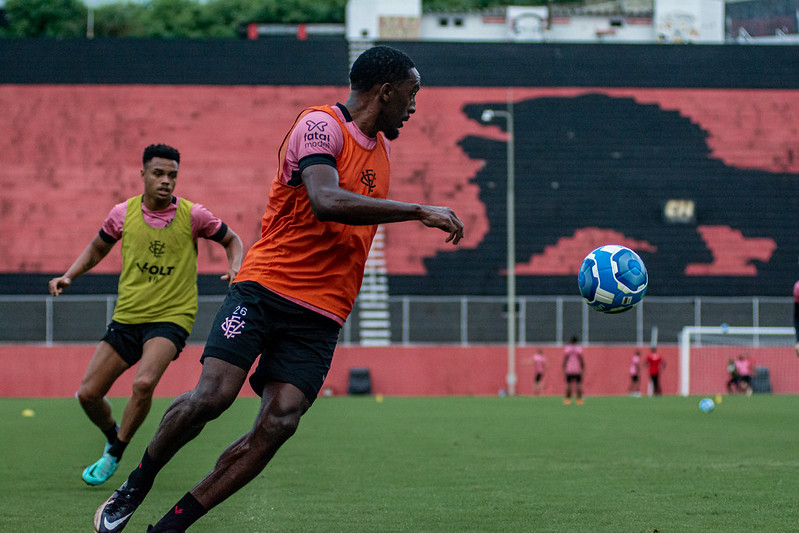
(463, 320)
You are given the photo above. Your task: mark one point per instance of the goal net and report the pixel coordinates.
(706, 353)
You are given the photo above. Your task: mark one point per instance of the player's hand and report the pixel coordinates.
(229, 276)
(57, 285)
(797, 349)
(445, 219)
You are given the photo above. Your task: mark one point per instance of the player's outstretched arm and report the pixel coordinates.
(444, 219)
(330, 202)
(234, 250)
(93, 254)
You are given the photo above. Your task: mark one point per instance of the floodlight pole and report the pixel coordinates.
(90, 23)
(510, 211)
(90, 18)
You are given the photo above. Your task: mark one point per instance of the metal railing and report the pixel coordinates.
(462, 320)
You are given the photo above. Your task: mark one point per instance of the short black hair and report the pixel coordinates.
(378, 65)
(160, 150)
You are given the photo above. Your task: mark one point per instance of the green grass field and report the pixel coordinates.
(615, 464)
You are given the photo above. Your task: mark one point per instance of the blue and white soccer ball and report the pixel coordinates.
(612, 279)
(706, 405)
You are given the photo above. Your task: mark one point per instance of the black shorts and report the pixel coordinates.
(296, 344)
(577, 378)
(128, 339)
(538, 377)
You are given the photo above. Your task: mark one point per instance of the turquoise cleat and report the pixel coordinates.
(99, 472)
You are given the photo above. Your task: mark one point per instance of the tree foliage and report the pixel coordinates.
(45, 18)
(123, 19)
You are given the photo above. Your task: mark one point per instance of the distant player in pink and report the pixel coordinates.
(540, 364)
(744, 370)
(656, 364)
(635, 375)
(573, 368)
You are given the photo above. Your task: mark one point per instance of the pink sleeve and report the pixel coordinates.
(115, 220)
(203, 222)
(796, 292)
(387, 144)
(315, 133)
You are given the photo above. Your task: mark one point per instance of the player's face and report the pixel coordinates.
(401, 104)
(160, 177)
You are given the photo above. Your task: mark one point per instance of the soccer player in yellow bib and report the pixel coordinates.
(157, 300)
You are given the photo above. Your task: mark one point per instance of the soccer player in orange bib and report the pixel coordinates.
(296, 287)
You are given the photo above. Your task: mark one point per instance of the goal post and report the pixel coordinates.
(706, 351)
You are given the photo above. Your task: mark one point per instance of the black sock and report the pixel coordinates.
(117, 449)
(111, 433)
(143, 476)
(187, 511)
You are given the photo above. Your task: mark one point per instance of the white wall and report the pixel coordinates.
(462, 27)
(601, 29)
(674, 21)
(689, 21)
(476, 28)
(363, 16)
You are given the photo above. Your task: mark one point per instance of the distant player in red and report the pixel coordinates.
(573, 368)
(656, 364)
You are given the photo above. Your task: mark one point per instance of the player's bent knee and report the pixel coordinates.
(209, 405)
(144, 387)
(277, 428)
(87, 396)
